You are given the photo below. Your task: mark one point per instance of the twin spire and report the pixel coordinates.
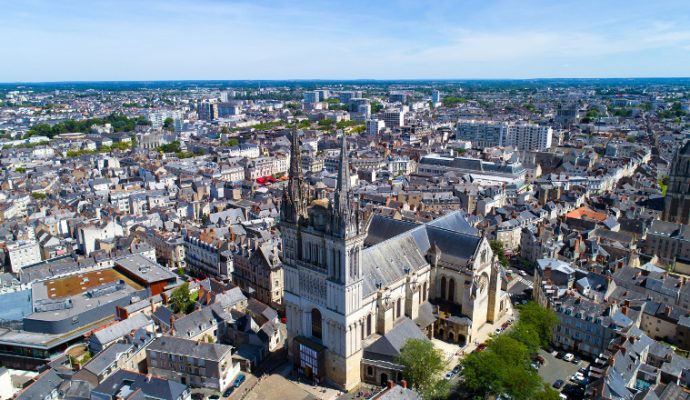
(343, 211)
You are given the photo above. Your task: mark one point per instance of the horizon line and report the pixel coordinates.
(341, 80)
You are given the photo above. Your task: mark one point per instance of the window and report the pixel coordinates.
(398, 305)
(370, 371)
(316, 323)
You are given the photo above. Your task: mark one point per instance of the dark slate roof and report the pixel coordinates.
(125, 383)
(42, 387)
(386, 262)
(185, 347)
(388, 346)
(101, 361)
(399, 245)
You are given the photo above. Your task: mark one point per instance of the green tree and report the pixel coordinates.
(547, 394)
(541, 319)
(181, 299)
(497, 248)
(168, 124)
(38, 195)
(422, 366)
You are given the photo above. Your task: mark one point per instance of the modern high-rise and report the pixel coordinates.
(393, 118)
(529, 137)
(435, 97)
(677, 201)
(374, 126)
(482, 133)
(312, 97)
(522, 136)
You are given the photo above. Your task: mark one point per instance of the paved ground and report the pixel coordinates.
(277, 387)
(554, 368)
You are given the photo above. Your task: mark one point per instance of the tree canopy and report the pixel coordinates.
(423, 364)
(504, 366)
(119, 122)
(497, 248)
(182, 299)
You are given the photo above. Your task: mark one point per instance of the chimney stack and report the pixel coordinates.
(403, 383)
(391, 384)
(172, 325)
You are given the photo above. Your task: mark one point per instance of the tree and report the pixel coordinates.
(168, 124)
(181, 299)
(38, 196)
(422, 365)
(497, 248)
(541, 319)
(547, 394)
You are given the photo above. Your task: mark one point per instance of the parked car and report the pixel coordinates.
(449, 376)
(523, 273)
(539, 359)
(228, 391)
(576, 360)
(560, 354)
(239, 380)
(568, 357)
(558, 384)
(457, 369)
(536, 365)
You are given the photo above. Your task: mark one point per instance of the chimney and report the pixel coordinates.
(391, 384)
(612, 361)
(667, 311)
(172, 325)
(153, 308)
(164, 296)
(547, 273)
(403, 383)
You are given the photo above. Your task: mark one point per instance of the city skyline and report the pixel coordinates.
(126, 41)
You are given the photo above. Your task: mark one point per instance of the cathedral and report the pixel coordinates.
(358, 285)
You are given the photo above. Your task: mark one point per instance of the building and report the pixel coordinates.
(89, 235)
(435, 97)
(352, 280)
(667, 240)
(374, 126)
(23, 253)
(125, 384)
(207, 255)
(194, 363)
(522, 136)
(393, 118)
(481, 171)
(529, 137)
(312, 97)
(482, 133)
(677, 201)
(258, 270)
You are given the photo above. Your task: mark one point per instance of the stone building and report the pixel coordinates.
(677, 201)
(353, 281)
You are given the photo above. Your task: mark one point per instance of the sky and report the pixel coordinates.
(120, 40)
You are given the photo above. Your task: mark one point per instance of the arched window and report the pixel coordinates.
(443, 287)
(398, 305)
(451, 290)
(424, 291)
(368, 324)
(316, 323)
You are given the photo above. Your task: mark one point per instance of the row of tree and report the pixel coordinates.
(119, 122)
(504, 366)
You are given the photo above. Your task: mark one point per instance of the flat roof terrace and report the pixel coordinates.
(79, 283)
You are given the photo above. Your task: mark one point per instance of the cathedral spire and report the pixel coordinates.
(342, 189)
(294, 206)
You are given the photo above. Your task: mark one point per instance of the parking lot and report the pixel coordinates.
(554, 368)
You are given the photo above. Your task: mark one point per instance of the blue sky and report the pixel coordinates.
(58, 40)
